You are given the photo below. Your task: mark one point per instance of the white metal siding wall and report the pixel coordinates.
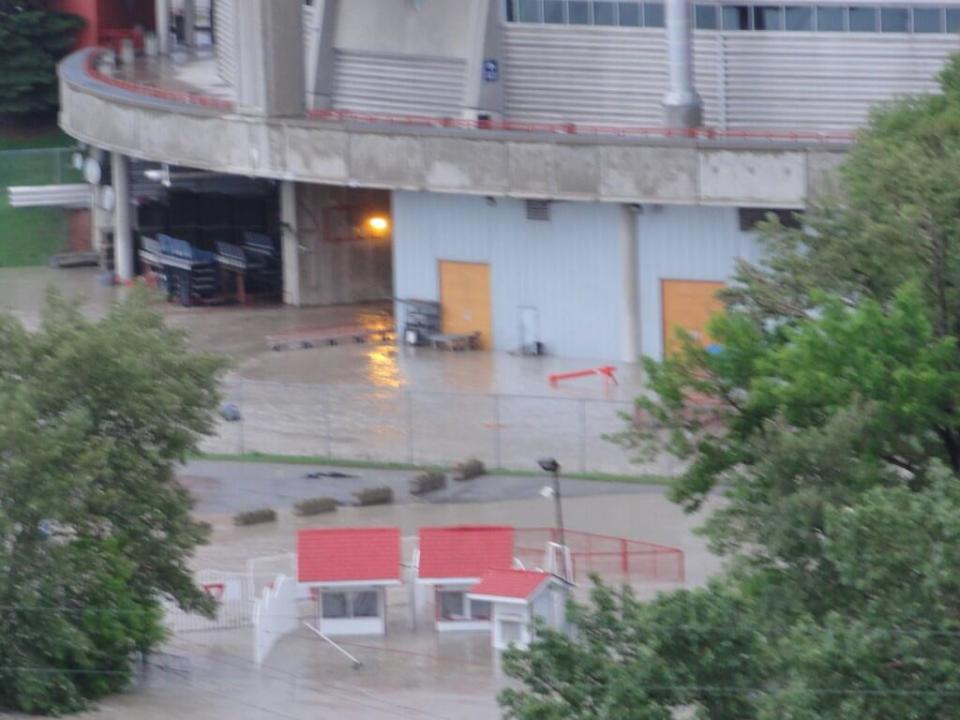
(226, 30)
(824, 80)
(566, 268)
(383, 82)
(584, 74)
(684, 243)
(746, 79)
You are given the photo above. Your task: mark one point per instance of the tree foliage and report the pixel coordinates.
(95, 532)
(829, 421)
(32, 41)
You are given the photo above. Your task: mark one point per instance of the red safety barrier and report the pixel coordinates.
(607, 371)
(612, 558)
(160, 93)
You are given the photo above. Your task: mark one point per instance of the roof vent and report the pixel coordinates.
(538, 210)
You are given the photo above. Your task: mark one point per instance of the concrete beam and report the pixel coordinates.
(528, 165)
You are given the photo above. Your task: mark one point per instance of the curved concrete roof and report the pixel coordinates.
(187, 130)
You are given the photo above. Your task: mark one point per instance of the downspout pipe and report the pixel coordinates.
(682, 107)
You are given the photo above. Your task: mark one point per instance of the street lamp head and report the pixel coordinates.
(549, 464)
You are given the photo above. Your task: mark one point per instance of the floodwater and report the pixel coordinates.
(392, 403)
(410, 673)
(379, 401)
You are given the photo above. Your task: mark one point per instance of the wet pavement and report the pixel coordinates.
(379, 401)
(231, 487)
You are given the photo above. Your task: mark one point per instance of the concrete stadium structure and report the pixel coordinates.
(573, 175)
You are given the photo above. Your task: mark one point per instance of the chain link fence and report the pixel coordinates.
(425, 428)
(30, 235)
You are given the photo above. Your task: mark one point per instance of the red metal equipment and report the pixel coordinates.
(607, 371)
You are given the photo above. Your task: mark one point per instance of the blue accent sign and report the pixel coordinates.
(491, 70)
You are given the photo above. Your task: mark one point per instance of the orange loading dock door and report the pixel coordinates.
(465, 300)
(688, 304)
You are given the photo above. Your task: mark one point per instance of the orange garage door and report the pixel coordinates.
(688, 304)
(465, 299)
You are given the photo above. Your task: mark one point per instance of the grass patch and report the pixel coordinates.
(29, 236)
(19, 137)
(254, 457)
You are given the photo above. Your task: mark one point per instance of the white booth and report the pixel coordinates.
(451, 560)
(347, 571)
(516, 598)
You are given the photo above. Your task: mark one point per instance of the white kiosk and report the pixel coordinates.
(517, 598)
(347, 571)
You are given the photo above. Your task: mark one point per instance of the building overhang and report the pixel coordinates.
(185, 130)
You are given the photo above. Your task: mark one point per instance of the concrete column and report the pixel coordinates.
(122, 233)
(190, 23)
(290, 250)
(484, 94)
(629, 301)
(321, 57)
(682, 107)
(162, 8)
(270, 62)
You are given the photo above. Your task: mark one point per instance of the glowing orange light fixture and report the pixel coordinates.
(378, 223)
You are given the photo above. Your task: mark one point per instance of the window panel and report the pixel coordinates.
(334, 605)
(554, 11)
(480, 610)
(529, 10)
(766, 17)
(365, 604)
(736, 17)
(706, 17)
(831, 19)
(927, 20)
(863, 19)
(630, 14)
(799, 18)
(604, 13)
(894, 20)
(511, 10)
(578, 12)
(653, 14)
(953, 20)
(451, 605)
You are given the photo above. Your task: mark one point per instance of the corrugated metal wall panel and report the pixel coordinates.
(584, 74)
(684, 243)
(225, 29)
(566, 268)
(746, 79)
(382, 82)
(822, 80)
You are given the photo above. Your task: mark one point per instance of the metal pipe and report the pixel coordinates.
(682, 107)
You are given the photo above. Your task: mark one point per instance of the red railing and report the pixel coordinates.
(615, 559)
(188, 98)
(558, 128)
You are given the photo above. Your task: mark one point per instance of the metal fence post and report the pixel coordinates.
(583, 435)
(409, 401)
(497, 456)
(325, 402)
(243, 418)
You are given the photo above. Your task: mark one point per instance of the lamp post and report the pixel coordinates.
(551, 466)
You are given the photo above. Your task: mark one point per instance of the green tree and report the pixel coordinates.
(32, 41)
(95, 532)
(830, 422)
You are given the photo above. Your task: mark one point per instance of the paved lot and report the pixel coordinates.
(229, 487)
